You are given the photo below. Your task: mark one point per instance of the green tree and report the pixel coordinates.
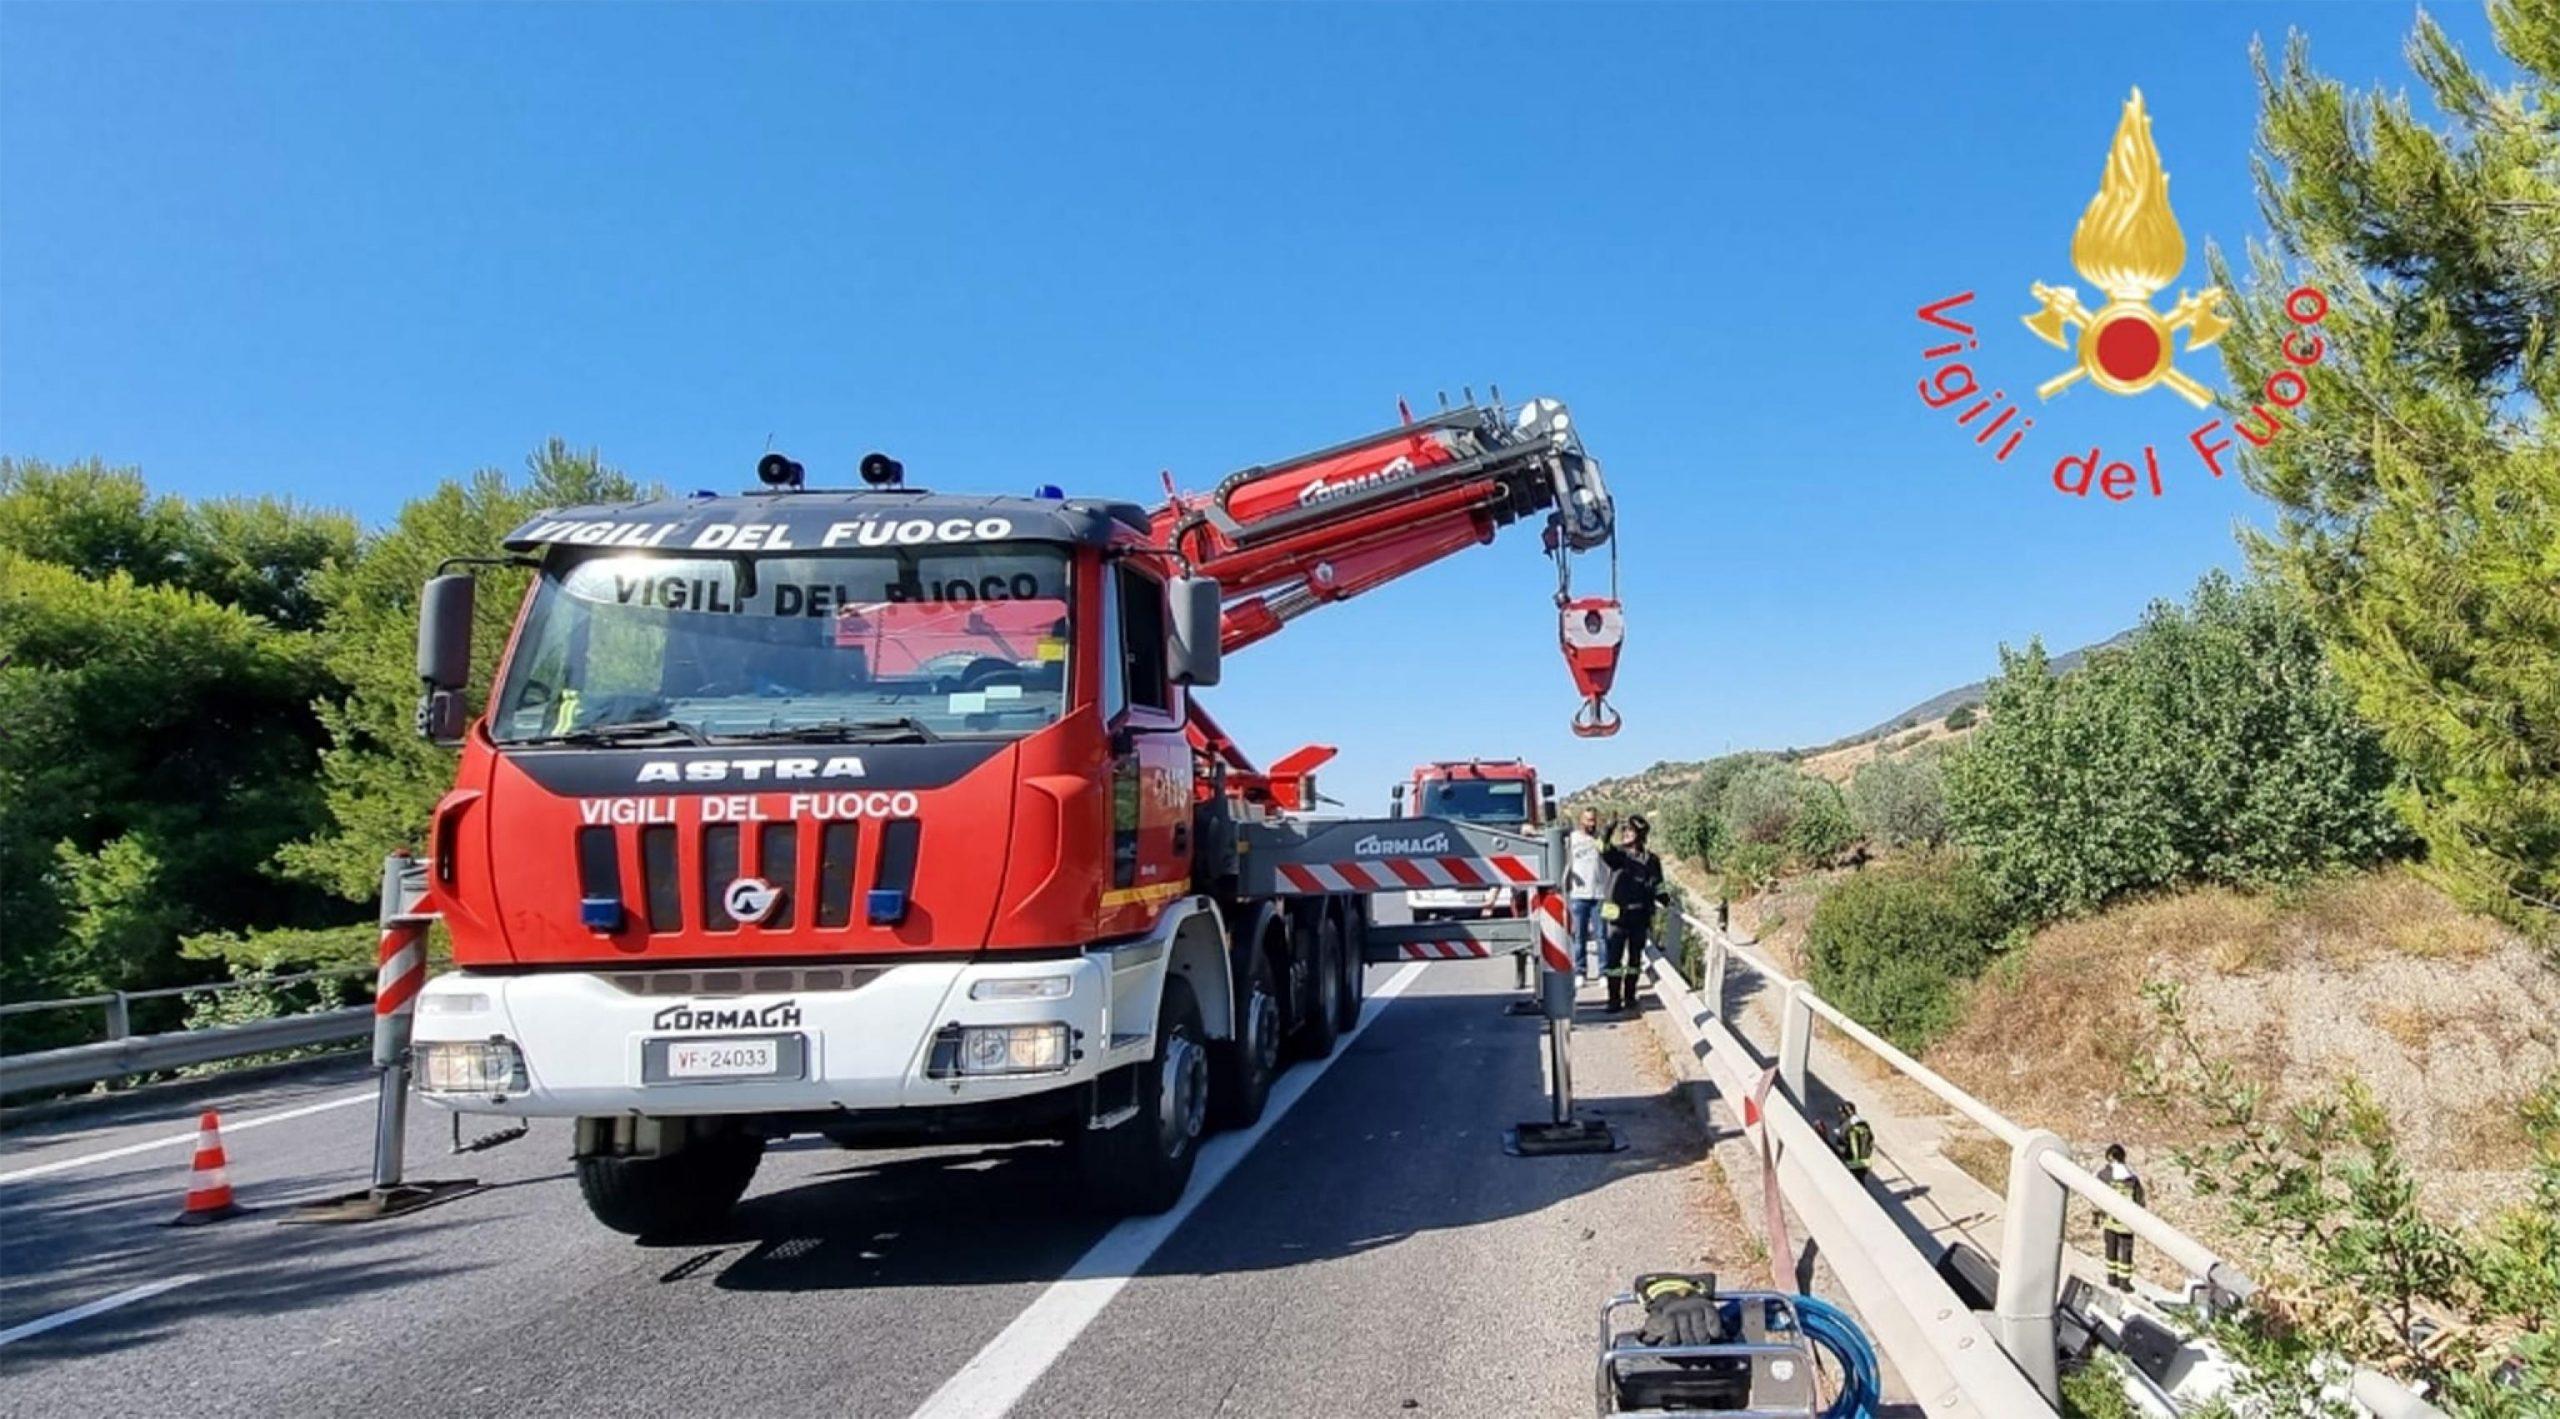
(379, 779)
(158, 747)
(260, 555)
(1901, 802)
(2418, 485)
(2214, 745)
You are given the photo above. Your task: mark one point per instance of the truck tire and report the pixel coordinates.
(689, 1189)
(1242, 1068)
(1318, 1032)
(1140, 1165)
(1355, 969)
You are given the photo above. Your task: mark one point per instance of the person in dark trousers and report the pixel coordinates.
(1854, 1141)
(2119, 1174)
(1635, 890)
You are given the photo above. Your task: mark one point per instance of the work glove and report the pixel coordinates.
(1680, 1310)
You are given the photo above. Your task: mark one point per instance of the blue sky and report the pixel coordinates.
(340, 253)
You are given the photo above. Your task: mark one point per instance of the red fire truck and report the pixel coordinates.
(1498, 793)
(893, 816)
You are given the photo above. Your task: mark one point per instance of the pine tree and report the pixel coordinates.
(2418, 484)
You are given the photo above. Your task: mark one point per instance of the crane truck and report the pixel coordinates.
(894, 816)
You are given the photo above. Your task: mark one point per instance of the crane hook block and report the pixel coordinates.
(1592, 629)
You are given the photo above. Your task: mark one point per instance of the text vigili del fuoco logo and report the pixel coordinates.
(2128, 245)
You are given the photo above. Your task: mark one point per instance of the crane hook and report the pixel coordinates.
(1592, 629)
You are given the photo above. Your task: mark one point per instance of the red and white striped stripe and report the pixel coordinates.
(401, 970)
(1460, 950)
(1402, 873)
(1554, 942)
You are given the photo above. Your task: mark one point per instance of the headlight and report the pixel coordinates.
(998, 1049)
(492, 1066)
(1024, 988)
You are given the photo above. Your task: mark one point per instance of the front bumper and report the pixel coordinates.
(1469, 900)
(587, 1038)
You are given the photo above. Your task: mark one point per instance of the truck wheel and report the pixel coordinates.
(691, 1188)
(1242, 1068)
(1355, 975)
(1141, 1164)
(1323, 1025)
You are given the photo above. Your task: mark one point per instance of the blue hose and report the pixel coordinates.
(1829, 1327)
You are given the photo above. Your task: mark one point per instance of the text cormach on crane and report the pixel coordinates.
(892, 816)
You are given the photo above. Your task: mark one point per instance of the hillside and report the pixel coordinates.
(1925, 722)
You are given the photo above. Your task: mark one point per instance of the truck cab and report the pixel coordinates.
(1493, 793)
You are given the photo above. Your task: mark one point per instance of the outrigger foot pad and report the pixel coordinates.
(1548, 1140)
(374, 1204)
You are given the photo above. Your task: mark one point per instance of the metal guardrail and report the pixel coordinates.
(123, 1053)
(2042, 1177)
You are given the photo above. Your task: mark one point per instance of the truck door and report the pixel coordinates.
(1151, 758)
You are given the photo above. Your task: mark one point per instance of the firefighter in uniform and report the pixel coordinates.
(1635, 888)
(2120, 1175)
(1855, 1141)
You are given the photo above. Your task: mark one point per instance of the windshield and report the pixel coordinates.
(910, 643)
(1476, 800)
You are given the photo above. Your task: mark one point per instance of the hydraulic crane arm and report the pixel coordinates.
(1285, 538)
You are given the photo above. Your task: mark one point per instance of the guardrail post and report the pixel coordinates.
(2031, 1262)
(1711, 968)
(1795, 1039)
(119, 1016)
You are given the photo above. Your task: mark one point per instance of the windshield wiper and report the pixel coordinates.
(838, 731)
(618, 732)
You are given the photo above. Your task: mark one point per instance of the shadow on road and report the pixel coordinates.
(1401, 1136)
(248, 1266)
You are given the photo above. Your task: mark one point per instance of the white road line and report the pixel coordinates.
(996, 1378)
(143, 1292)
(188, 1137)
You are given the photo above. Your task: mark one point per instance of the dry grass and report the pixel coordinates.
(1979, 1156)
(2391, 912)
(2444, 1016)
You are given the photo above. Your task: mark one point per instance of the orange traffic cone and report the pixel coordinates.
(209, 1182)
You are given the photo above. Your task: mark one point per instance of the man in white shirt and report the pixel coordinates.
(1587, 886)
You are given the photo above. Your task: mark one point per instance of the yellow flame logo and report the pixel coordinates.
(2128, 243)
(2129, 246)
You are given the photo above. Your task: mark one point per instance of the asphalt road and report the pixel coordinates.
(1372, 1251)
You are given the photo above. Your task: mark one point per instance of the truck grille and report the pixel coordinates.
(678, 875)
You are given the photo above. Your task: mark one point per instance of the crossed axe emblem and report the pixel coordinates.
(2126, 347)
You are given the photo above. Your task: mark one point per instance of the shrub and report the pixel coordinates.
(1762, 802)
(1894, 948)
(1823, 829)
(1961, 717)
(1900, 802)
(2213, 746)
(1748, 867)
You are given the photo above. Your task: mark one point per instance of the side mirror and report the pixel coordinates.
(1196, 624)
(1395, 801)
(444, 656)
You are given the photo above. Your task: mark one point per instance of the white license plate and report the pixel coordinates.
(723, 1059)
